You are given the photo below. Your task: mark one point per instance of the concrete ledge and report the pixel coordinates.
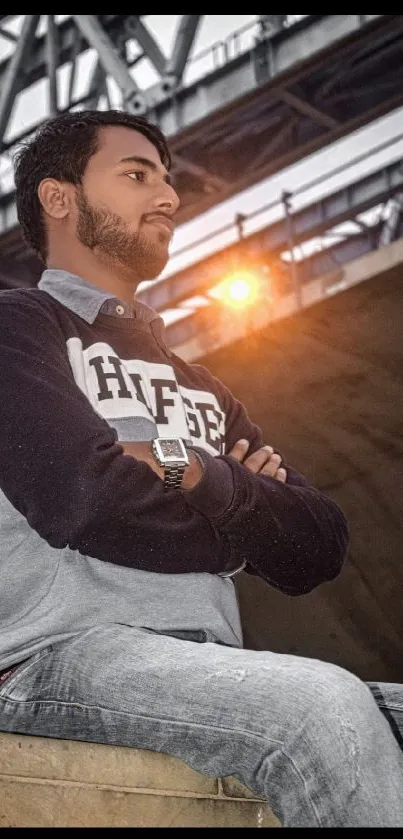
(62, 783)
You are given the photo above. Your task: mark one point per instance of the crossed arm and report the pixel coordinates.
(265, 461)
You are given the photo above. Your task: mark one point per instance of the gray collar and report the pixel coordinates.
(88, 301)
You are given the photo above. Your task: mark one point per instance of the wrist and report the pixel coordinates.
(213, 494)
(193, 472)
(171, 454)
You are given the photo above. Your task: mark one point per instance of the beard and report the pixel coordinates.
(108, 235)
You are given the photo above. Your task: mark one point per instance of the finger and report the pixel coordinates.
(239, 450)
(272, 466)
(281, 475)
(258, 460)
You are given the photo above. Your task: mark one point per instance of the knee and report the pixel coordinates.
(337, 703)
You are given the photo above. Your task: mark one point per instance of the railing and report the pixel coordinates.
(222, 52)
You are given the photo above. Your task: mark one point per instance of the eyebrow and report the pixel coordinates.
(149, 164)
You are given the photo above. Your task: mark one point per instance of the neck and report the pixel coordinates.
(108, 276)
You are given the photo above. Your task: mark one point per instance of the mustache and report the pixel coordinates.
(156, 216)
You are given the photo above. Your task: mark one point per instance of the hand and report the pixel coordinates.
(142, 451)
(262, 462)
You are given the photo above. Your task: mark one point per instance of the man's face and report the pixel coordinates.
(125, 205)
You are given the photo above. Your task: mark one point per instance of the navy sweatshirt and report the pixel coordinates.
(79, 372)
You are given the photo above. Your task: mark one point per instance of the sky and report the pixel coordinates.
(345, 154)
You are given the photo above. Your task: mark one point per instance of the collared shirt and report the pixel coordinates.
(87, 300)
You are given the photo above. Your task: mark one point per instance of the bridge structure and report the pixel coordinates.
(266, 97)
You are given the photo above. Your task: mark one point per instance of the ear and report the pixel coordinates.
(55, 198)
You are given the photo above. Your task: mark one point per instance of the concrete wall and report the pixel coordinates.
(326, 386)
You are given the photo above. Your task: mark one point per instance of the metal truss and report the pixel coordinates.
(294, 89)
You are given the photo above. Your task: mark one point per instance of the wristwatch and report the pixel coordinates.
(170, 452)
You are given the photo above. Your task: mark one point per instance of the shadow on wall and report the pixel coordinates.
(326, 386)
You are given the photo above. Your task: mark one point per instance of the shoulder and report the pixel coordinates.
(27, 312)
(27, 298)
(20, 303)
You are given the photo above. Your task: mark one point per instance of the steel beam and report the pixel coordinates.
(314, 220)
(286, 53)
(73, 68)
(185, 36)
(297, 103)
(35, 65)
(289, 49)
(8, 35)
(390, 229)
(52, 58)
(148, 44)
(97, 85)
(271, 23)
(11, 81)
(113, 64)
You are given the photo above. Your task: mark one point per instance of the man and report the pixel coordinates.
(134, 486)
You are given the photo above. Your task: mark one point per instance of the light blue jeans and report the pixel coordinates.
(307, 735)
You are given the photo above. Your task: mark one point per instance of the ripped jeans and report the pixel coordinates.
(307, 736)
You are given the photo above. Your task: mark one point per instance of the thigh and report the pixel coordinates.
(121, 672)
(206, 703)
(130, 686)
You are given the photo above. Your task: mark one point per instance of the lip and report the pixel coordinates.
(162, 221)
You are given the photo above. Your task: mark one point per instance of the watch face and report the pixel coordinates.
(172, 449)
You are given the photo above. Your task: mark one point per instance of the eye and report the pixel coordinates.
(138, 175)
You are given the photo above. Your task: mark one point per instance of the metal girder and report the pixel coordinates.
(102, 32)
(300, 104)
(36, 65)
(147, 43)
(97, 85)
(52, 55)
(390, 229)
(233, 137)
(111, 61)
(314, 220)
(185, 36)
(270, 24)
(15, 67)
(286, 53)
(8, 35)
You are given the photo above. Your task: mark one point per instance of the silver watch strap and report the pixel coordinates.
(174, 475)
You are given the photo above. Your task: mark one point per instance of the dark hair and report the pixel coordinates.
(61, 149)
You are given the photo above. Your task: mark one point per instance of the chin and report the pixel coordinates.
(152, 269)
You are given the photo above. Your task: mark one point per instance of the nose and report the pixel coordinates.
(168, 199)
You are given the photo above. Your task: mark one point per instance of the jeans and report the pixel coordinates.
(306, 735)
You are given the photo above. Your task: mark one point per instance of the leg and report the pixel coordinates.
(306, 735)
